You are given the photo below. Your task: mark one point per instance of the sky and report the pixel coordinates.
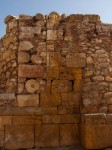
(31, 7)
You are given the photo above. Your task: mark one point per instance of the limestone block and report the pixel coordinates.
(71, 98)
(50, 99)
(54, 59)
(38, 120)
(7, 54)
(46, 111)
(5, 120)
(19, 137)
(36, 59)
(8, 18)
(108, 95)
(69, 134)
(63, 73)
(98, 78)
(9, 40)
(68, 110)
(32, 86)
(53, 72)
(23, 57)
(20, 88)
(96, 136)
(2, 143)
(47, 136)
(25, 46)
(61, 86)
(51, 119)
(26, 32)
(75, 60)
(39, 17)
(74, 73)
(23, 120)
(93, 118)
(51, 34)
(28, 100)
(31, 71)
(8, 99)
(70, 118)
(12, 24)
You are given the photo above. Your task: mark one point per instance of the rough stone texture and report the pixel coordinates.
(17, 137)
(56, 82)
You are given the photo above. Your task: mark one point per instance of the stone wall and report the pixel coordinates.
(56, 82)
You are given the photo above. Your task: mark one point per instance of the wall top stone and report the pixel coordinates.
(54, 15)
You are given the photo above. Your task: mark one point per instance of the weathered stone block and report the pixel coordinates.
(74, 73)
(28, 100)
(50, 99)
(25, 46)
(74, 118)
(68, 110)
(23, 57)
(61, 86)
(96, 136)
(46, 111)
(18, 137)
(53, 72)
(31, 71)
(71, 98)
(7, 41)
(2, 142)
(53, 59)
(26, 33)
(23, 120)
(46, 136)
(69, 134)
(5, 120)
(51, 119)
(36, 59)
(75, 60)
(38, 120)
(51, 34)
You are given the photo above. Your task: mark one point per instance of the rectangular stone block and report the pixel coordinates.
(19, 137)
(68, 110)
(6, 96)
(75, 60)
(47, 136)
(50, 99)
(93, 118)
(5, 120)
(46, 111)
(78, 85)
(69, 134)
(28, 100)
(54, 59)
(38, 120)
(75, 118)
(74, 73)
(71, 98)
(23, 120)
(96, 136)
(31, 71)
(2, 142)
(51, 119)
(61, 86)
(53, 72)
(51, 35)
